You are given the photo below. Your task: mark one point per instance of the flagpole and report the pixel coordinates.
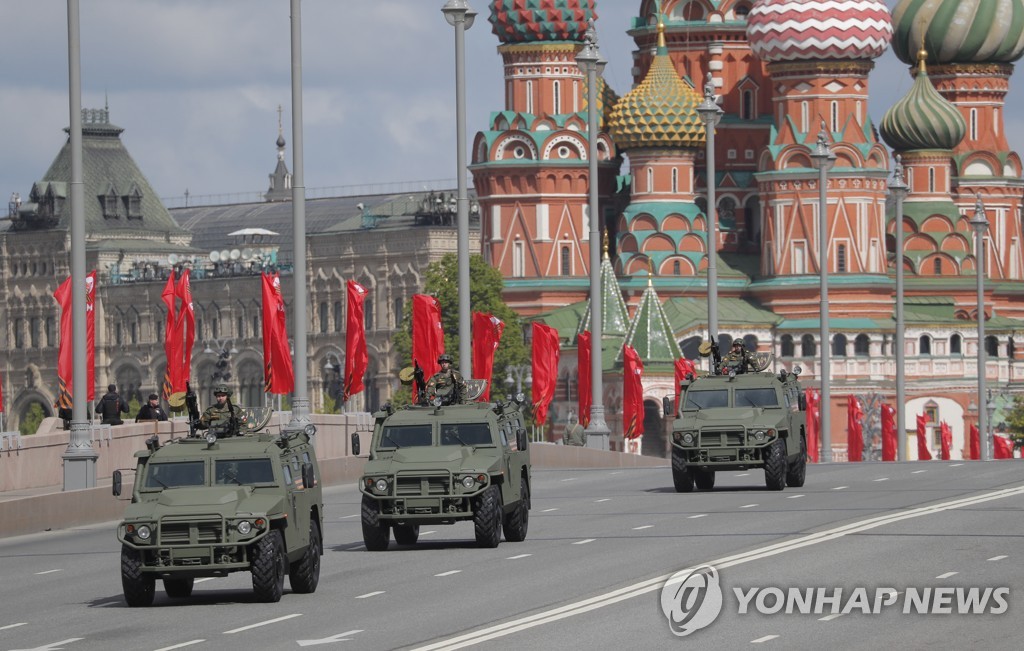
(300, 394)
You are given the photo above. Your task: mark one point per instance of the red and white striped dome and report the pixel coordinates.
(801, 30)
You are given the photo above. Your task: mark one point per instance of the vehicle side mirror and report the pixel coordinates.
(801, 401)
(355, 443)
(669, 405)
(521, 439)
(116, 483)
(308, 478)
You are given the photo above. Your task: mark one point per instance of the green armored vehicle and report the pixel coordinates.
(210, 506)
(739, 421)
(439, 464)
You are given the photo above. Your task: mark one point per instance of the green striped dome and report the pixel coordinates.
(959, 31)
(923, 119)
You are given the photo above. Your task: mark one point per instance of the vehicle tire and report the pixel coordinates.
(798, 470)
(179, 588)
(681, 475)
(487, 517)
(517, 522)
(138, 586)
(406, 534)
(269, 565)
(376, 534)
(775, 466)
(704, 479)
(304, 574)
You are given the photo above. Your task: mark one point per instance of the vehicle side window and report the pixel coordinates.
(287, 472)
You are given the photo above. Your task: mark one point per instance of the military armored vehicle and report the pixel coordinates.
(444, 463)
(210, 505)
(740, 421)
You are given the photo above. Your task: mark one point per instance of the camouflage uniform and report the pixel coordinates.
(444, 380)
(741, 360)
(218, 416)
(574, 434)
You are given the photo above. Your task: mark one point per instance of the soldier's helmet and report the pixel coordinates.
(737, 343)
(221, 388)
(445, 358)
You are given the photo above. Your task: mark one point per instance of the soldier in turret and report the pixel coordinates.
(446, 383)
(222, 416)
(739, 358)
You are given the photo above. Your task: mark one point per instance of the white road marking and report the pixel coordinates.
(954, 465)
(763, 639)
(569, 479)
(448, 573)
(206, 578)
(882, 479)
(584, 541)
(548, 510)
(517, 557)
(998, 558)
(742, 474)
(370, 594)
(346, 517)
(699, 515)
(48, 572)
(617, 472)
(4, 628)
(646, 526)
(603, 499)
(427, 533)
(748, 506)
(503, 629)
(53, 646)
(340, 637)
(181, 646)
(793, 497)
(258, 624)
(918, 472)
(829, 618)
(839, 488)
(946, 575)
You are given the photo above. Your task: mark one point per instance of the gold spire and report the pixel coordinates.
(604, 243)
(650, 272)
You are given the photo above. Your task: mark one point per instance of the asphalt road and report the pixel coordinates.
(856, 539)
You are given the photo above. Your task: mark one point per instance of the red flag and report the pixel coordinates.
(278, 374)
(65, 355)
(946, 437)
(854, 430)
(427, 335)
(487, 331)
(632, 394)
(682, 367)
(185, 330)
(888, 433)
(1003, 449)
(813, 422)
(170, 339)
(975, 443)
(356, 358)
(545, 369)
(583, 374)
(923, 454)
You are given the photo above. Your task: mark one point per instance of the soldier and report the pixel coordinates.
(738, 358)
(448, 383)
(220, 416)
(151, 410)
(574, 433)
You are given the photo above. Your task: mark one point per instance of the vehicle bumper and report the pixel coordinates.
(199, 546)
(425, 499)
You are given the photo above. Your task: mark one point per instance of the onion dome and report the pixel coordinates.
(801, 30)
(923, 119)
(959, 31)
(661, 111)
(531, 21)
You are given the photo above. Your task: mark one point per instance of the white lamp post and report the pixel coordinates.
(823, 159)
(711, 114)
(979, 223)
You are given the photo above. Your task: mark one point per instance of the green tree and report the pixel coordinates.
(1015, 421)
(33, 417)
(485, 295)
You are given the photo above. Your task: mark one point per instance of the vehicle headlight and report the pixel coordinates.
(144, 532)
(310, 429)
(468, 481)
(759, 435)
(244, 527)
(688, 438)
(381, 485)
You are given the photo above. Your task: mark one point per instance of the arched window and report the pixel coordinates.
(862, 345)
(557, 92)
(33, 332)
(924, 345)
(241, 327)
(337, 315)
(399, 307)
(839, 345)
(747, 105)
(786, 346)
(675, 268)
(807, 346)
(974, 124)
(650, 179)
(931, 179)
(956, 345)
(991, 346)
(368, 321)
(565, 261)
(840, 258)
(675, 180)
(834, 111)
(750, 342)
(51, 331)
(322, 309)
(690, 346)
(752, 219)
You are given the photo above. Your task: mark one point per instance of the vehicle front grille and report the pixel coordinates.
(423, 485)
(205, 531)
(727, 438)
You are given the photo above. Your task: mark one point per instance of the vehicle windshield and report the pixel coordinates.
(706, 399)
(175, 475)
(466, 434)
(763, 397)
(243, 472)
(406, 436)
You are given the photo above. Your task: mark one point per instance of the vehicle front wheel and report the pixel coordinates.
(269, 565)
(376, 534)
(138, 586)
(406, 534)
(797, 472)
(487, 517)
(304, 574)
(705, 479)
(775, 466)
(518, 521)
(179, 588)
(682, 478)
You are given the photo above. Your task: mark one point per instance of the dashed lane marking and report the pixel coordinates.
(4, 628)
(370, 594)
(517, 557)
(998, 558)
(181, 646)
(48, 572)
(266, 623)
(763, 639)
(748, 506)
(829, 618)
(839, 488)
(918, 472)
(793, 497)
(584, 541)
(448, 573)
(603, 499)
(946, 575)
(646, 526)
(549, 510)
(882, 479)
(699, 515)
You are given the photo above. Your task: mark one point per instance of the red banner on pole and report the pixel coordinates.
(185, 330)
(487, 331)
(813, 422)
(946, 436)
(584, 378)
(1002, 448)
(278, 376)
(545, 369)
(889, 441)
(171, 340)
(356, 357)
(683, 367)
(854, 430)
(65, 355)
(975, 443)
(632, 394)
(427, 335)
(923, 454)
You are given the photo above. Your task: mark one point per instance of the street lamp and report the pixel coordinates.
(990, 411)
(332, 381)
(223, 349)
(979, 223)
(823, 159)
(711, 114)
(898, 188)
(591, 62)
(523, 376)
(460, 16)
